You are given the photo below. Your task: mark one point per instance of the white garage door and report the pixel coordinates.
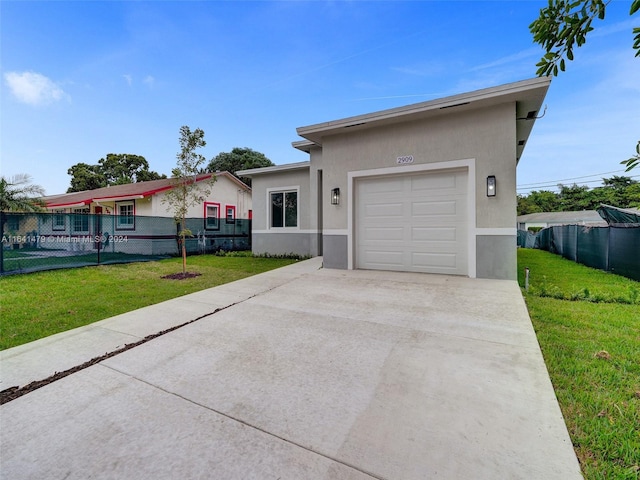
(415, 223)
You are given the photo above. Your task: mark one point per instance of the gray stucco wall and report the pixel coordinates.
(496, 257)
(486, 135)
(304, 244)
(294, 178)
(335, 251)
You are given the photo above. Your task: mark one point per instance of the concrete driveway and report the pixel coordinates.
(308, 374)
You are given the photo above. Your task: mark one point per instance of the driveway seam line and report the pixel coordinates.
(247, 424)
(11, 393)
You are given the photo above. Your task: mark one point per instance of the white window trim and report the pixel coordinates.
(85, 211)
(57, 213)
(208, 205)
(121, 226)
(227, 220)
(294, 188)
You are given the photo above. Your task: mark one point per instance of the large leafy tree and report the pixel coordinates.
(86, 177)
(18, 194)
(186, 192)
(575, 198)
(122, 168)
(238, 159)
(563, 25)
(619, 191)
(114, 169)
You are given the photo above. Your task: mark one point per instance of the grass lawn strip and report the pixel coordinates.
(40, 304)
(591, 346)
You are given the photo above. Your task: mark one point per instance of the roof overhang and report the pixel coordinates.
(275, 169)
(118, 198)
(83, 203)
(304, 145)
(528, 96)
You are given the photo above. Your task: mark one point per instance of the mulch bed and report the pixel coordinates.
(181, 276)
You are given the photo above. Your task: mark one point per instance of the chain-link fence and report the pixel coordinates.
(43, 241)
(613, 249)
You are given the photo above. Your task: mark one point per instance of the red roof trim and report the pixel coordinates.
(88, 201)
(69, 204)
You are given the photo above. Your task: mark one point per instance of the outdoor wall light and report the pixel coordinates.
(491, 186)
(335, 196)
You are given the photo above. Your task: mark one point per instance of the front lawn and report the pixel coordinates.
(40, 304)
(588, 326)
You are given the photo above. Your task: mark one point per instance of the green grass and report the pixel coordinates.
(591, 346)
(40, 304)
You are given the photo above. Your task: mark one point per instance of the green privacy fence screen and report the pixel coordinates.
(614, 249)
(44, 241)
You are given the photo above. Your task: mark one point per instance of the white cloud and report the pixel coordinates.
(149, 80)
(33, 88)
(511, 59)
(128, 78)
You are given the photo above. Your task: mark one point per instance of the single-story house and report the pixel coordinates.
(139, 213)
(428, 187)
(590, 218)
(229, 198)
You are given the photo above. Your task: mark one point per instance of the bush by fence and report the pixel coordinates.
(42, 241)
(613, 249)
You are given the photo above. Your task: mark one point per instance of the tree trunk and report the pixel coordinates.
(184, 256)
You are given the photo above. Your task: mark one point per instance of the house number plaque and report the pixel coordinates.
(404, 160)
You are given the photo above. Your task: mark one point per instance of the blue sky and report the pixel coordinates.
(81, 79)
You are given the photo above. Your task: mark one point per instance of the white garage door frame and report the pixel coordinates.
(469, 164)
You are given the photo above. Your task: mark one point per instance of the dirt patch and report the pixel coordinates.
(181, 276)
(603, 355)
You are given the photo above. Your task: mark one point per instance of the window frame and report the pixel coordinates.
(284, 190)
(232, 209)
(81, 213)
(125, 226)
(59, 214)
(215, 205)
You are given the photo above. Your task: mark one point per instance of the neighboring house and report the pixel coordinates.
(138, 211)
(429, 187)
(589, 218)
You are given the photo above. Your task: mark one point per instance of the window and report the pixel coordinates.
(13, 222)
(284, 209)
(81, 219)
(230, 213)
(211, 216)
(59, 222)
(126, 216)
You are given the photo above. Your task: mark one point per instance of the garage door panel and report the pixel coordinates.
(422, 234)
(384, 260)
(430, 260)
(376, 234)
(378, 186)
(449, 207)
(383, 210)
(434, 182)
(415, 222)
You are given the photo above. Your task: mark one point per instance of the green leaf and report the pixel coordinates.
(635, 6)
(562, 65)
(569, 54)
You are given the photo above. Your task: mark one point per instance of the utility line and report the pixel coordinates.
(565, 179)
(555, 185)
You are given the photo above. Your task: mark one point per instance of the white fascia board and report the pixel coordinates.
(533, 89)
(275, 169)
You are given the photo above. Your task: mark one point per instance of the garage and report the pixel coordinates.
(416, 222)
(428, 187)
